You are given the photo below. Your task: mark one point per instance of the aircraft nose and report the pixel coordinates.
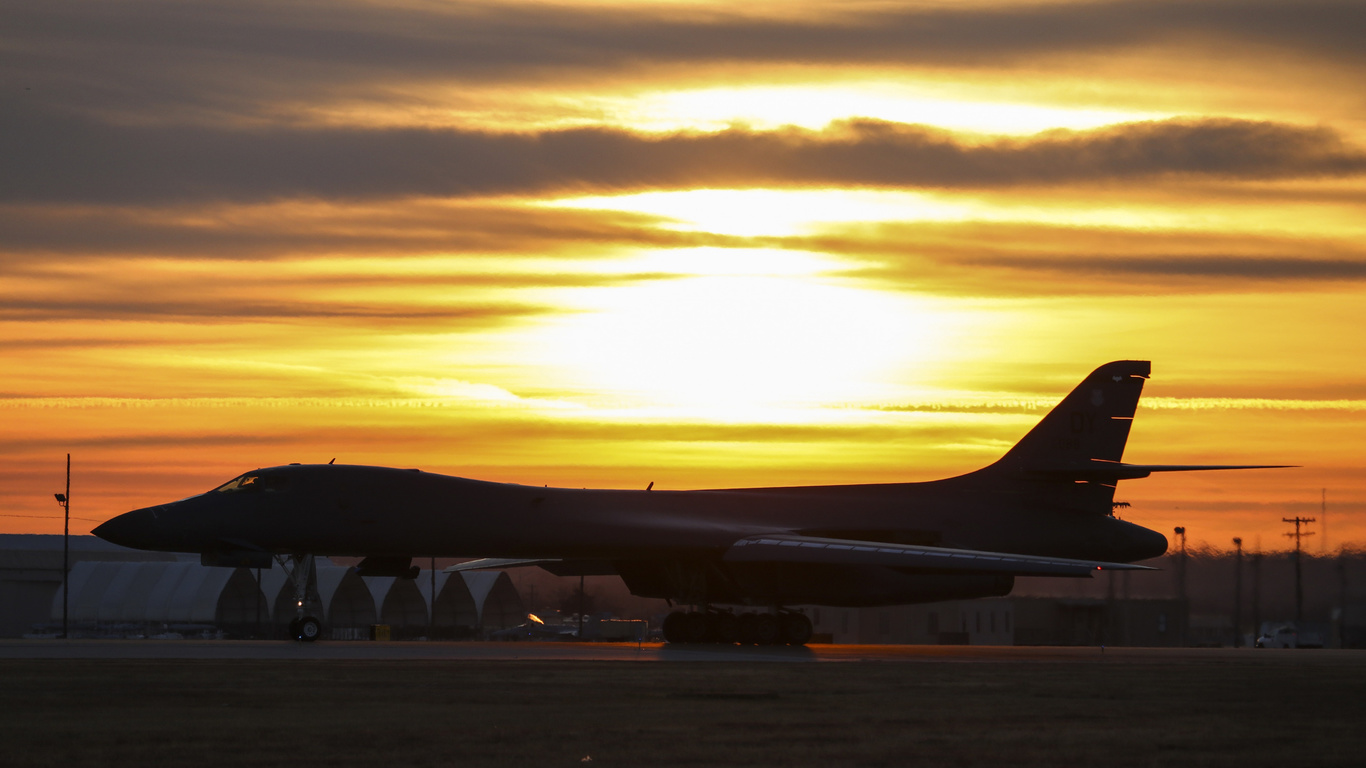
(131, 529)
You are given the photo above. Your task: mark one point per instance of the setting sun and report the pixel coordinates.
(727, 344)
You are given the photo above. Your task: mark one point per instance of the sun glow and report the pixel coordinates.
(773, 212)
(808, 105)
(792, 212)
(816, 106)
(723, 345)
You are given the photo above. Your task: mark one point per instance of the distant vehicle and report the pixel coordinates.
(616, 630)
(1045, 508)
(1280, 637)
(1289, 636)
(535, 629)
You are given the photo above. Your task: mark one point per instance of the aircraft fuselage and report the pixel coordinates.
(378, 511)
(1044, 508)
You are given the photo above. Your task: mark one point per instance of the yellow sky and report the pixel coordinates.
(608, 244)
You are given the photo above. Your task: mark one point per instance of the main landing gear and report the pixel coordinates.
(303, 627)
(724, 627)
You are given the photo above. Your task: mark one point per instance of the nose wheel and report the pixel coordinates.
(304, 627)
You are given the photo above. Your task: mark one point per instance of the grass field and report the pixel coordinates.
(1236, 710)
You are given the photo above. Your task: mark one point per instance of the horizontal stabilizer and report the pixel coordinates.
(787, 548)
(1098, 470)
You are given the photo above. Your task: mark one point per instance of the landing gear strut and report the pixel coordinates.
(303, 627)
(724, 627)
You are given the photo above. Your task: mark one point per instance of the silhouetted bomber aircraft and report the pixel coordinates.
(1044, 509)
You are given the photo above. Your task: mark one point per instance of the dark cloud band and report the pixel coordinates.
(74, 160)
(158, 51)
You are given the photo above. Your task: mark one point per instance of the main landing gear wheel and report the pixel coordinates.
(696, 628)
(762, 629)
(672, 628)
(700, 627)
(306, 629)
(795, 628)
(725, 628)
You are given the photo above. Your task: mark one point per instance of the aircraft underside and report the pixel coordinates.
(771, 586)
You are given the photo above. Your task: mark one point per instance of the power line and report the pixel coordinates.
(49, 517)
(1297, 535)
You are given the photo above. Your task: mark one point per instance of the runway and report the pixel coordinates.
(658, 652)
(353, 703)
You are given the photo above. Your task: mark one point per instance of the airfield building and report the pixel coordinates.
(119, 592)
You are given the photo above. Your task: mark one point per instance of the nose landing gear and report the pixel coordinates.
(303, 627)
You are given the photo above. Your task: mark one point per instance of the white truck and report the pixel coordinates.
(1288, 636)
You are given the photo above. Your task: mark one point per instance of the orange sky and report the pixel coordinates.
(600, 244)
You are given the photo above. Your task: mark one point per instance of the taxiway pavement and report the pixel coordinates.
(620, 652)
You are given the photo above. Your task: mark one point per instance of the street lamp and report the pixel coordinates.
(1180, 531)
(65, 500)
(1238, 592)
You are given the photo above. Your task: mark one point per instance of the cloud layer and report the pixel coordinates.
(157, 52)
(74, 160)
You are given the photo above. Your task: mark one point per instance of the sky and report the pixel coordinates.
(605, 244)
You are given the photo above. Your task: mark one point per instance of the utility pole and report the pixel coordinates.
(1342, 612)
(582, 597)
(1237, 593)
(1323, 516)
(1299, 584)
(1111, 611)
(1180, 531)
(431, 612)
(1257, 593)
(65, 500)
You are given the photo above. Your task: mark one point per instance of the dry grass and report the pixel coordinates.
(506, 713)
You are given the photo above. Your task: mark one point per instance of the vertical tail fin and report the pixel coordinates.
(1090, 424)
(1072, 460)
(1055, 466)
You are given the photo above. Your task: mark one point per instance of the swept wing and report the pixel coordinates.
(791, 548)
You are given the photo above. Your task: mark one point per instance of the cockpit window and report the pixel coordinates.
(254, 482)
(247, 482)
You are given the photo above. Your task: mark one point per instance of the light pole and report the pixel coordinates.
(1238, 593)
(1180, 531)
(65, 500)
(1257, 593)
(581, 608)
